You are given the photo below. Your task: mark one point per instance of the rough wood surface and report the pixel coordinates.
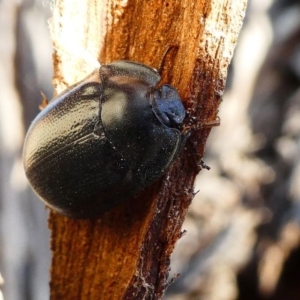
(126, 253)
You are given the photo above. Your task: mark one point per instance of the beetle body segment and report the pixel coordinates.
(103, 140)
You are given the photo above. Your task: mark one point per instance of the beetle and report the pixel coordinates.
(104, 139)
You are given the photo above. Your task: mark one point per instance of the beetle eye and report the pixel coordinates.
(167, 106)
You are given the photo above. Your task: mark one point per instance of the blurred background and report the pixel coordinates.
(243, 231)
(25, 71)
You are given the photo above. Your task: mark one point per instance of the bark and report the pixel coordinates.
(125, 254)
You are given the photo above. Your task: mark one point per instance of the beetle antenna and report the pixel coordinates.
(192, 127)
(163, 59)
(215, 123)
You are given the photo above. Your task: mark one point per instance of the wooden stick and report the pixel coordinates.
(126, 253)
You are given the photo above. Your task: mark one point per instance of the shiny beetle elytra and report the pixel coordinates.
(103, 140)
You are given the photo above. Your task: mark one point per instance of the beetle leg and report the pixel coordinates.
(44, 102)
(203, 165)
(215, 123)
(200, 163)
(209, 124)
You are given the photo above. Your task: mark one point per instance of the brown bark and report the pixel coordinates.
(126, 253)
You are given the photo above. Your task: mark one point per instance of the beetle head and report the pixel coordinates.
(167, 106)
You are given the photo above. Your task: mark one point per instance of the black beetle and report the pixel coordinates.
(104, 139)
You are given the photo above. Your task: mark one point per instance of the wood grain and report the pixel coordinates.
(126, 253)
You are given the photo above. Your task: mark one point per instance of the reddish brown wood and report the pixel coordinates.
(126, 253)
